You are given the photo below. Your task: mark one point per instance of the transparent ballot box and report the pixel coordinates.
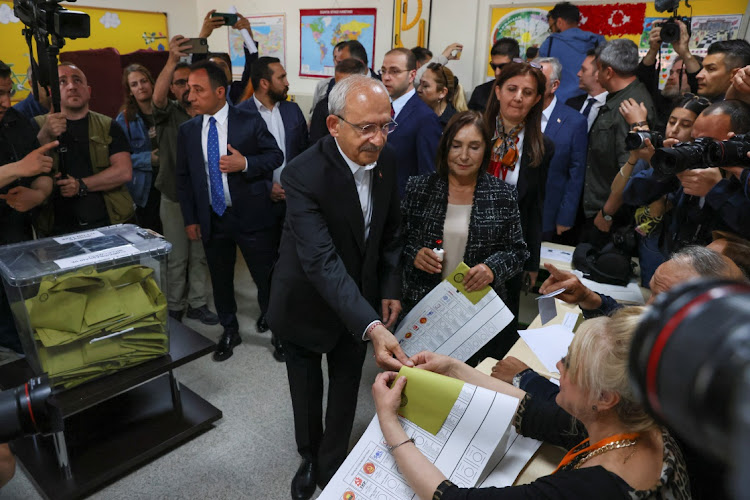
(89, 304)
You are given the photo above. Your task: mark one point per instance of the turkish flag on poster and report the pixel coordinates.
(613, 19)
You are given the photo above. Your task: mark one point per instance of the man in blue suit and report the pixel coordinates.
(287, 125)
(225, 163)
(567, 170)
(416, 137)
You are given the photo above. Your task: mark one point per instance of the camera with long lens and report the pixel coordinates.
(729, 153)
(690, 367)
(636, 140)
(670, 30)
(682, 156)
(49, 18)
(27, 410)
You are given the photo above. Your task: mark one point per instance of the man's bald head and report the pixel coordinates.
(690, 263)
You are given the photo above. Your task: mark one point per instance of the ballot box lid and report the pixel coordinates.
(27, 263)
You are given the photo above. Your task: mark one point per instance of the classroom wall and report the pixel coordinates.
(301, 87)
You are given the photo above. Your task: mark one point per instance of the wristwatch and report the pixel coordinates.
(606, 216)
(83, 189)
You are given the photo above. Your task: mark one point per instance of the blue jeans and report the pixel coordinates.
(650, 257)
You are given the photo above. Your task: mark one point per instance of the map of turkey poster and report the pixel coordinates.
(322, 29)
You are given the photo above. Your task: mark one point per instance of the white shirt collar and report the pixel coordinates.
(221, 115)
(602, 98)
(262, 106)
(547, 112)
(399, 103)
(354, 167)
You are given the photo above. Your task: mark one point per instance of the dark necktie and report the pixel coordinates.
(214, 174)
(393, 112)
(589, 104)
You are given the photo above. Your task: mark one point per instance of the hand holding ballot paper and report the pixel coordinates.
(449, 320)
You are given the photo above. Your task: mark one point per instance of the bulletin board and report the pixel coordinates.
(125, 30)
(529, 26)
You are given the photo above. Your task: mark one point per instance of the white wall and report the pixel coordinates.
(297, 85)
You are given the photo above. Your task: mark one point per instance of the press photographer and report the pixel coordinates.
(684, 70)
(704, 197)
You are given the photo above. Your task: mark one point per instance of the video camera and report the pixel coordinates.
(27, 410)
(702, 153)
(670, 30)
(49, 24)
(690, 366)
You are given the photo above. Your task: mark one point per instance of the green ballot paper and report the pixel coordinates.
(428, 397)
(456, 278)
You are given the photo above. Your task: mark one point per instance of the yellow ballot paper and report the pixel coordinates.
(428, 397)
(456, 278)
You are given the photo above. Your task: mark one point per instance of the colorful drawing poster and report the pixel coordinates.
(322, 29)
(269, 30)
(528, 26)
(709, 29)
(125, 30)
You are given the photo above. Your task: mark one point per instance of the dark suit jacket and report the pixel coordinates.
(577, 102)
(531, 188)
(328, 280)
(567, 169)
(480, 96)
(318, 127)
(495, 237)
(295, 126)
(249, 190)
(415, 140)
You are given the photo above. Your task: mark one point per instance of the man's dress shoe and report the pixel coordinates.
(303, 484)
(225, 347)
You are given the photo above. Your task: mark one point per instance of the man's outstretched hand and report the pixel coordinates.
(385, 347)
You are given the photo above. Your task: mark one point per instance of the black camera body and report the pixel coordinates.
(729, 153)
(682, 156)
(636, 140)
(48, 18)
(670, 30)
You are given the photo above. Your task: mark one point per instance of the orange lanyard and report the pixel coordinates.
(576, 451)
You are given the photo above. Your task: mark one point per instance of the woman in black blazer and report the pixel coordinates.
(520, 156)
(474, 214)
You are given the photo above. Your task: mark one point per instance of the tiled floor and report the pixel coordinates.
(251, 453)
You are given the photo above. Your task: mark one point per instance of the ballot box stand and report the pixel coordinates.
(115, 423)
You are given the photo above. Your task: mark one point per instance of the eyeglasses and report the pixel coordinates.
(392, 71)
(371, 129)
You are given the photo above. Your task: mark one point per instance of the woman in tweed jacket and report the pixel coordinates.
(494, 248)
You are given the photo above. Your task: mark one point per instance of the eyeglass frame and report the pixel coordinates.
(387, 71)
(361, 128)
(703, 101)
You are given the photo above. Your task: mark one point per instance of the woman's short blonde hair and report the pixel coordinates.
(598, 362)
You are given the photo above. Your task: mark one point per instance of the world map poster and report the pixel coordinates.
(322, 29)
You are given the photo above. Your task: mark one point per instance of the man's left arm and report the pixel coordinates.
(120, 168)
(267, 156)
(391, 248)
(428, 137)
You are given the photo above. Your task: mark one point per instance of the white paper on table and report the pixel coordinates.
(630, 294)
(461, 450)
(570, 321)
(511, 459)
(446, 322)
(549, 343)
(550, 253)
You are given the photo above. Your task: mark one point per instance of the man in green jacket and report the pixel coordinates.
(617, 62)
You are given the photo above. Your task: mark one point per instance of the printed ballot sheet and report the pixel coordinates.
(446, 322)
(461, 450)
(514, 452)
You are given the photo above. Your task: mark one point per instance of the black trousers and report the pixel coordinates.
(258, 250)
(326, 447)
